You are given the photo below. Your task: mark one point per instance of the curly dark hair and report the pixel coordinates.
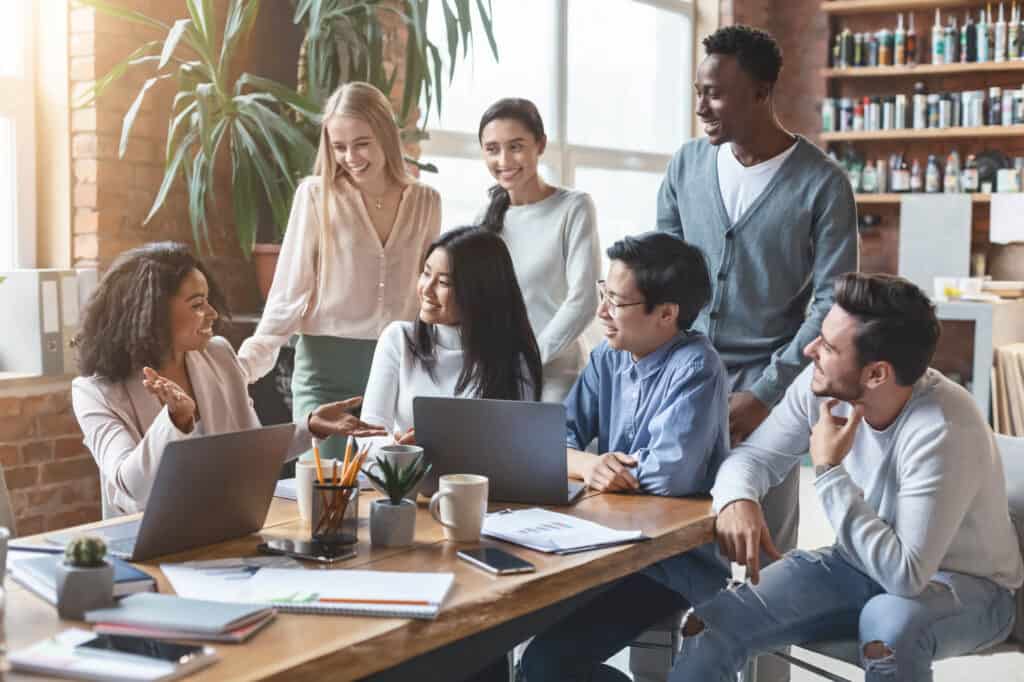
(126, 324)
(756, 50)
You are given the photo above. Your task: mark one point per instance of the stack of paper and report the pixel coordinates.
(163, 616)
(548, 531)
(331, 592)
(1008, 390)
(39, 574)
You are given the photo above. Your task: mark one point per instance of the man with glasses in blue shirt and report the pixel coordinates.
(655, 397)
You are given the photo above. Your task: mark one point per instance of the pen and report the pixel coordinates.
(40, 549)
(398, 602)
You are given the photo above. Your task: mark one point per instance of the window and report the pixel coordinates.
(612, 80)
(17, 136)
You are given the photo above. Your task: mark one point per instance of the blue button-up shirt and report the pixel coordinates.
(669, 410)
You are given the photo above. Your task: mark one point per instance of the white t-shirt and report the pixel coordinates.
(742, 185)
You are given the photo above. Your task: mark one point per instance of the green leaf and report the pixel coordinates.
(170, 173)
(138, 56)
(465, 23)
(487, 21)
(206, 99)
(452, 28)
(133, 111)
(172, 40)
(172, 128)
(242, 194)
(240, 19)
(286, 95)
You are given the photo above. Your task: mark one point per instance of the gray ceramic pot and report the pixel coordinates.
(392, 525)
(83, 589)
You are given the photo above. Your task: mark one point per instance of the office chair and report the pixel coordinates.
(1011, 450)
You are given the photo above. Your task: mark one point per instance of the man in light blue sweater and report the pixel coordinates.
(777, 222)
(925, 560)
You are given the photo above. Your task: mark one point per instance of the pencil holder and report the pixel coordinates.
(335, 518)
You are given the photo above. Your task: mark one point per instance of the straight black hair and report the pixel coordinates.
(517, 109)
(500, 352)
(667, 270)
(897, 322)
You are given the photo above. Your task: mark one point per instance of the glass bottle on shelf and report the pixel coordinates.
(916, 178)
(951, 177)
(932, 176)
(969, 177)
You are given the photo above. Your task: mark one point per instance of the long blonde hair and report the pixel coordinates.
(367, 103)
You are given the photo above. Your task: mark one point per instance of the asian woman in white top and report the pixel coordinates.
(552, 235)
(154, 371)
(472, 337)
(358, 232)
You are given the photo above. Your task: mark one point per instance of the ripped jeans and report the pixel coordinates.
(819, 596)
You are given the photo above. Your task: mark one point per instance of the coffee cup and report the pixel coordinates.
(459, 505)
(398, 456)
(305, 476)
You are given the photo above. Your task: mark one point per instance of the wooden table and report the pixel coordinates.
(313, 647)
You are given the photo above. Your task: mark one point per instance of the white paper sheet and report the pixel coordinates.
(1006, 218)
(548, 531)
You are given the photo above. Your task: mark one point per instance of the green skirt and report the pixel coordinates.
(327, 369)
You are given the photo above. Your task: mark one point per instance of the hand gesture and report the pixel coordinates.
(611, 473)
(409, 438)
(746, 412)
(832, 437)
(180, 406)
(742, 533)
(335, 419)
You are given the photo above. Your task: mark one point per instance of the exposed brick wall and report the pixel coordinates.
(52, 478)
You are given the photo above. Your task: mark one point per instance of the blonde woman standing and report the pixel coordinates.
(358, 231)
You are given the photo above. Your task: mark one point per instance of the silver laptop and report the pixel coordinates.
(207, 489)
(519, 446)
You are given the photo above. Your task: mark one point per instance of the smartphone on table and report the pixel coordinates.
(496, 560)
(182, 658)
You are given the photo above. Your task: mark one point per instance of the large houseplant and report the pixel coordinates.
(268, 129)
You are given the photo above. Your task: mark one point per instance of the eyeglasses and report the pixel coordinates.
(606, 299)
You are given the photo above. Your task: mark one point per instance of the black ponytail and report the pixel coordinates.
(517, 109)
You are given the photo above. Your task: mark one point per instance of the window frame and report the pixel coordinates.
(562, 156)
(20, 110)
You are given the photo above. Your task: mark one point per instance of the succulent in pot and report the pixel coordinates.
(85, 579)
(393, 519)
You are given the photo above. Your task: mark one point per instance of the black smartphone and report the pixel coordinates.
(143, 646)
(496, 560)
(307, 549)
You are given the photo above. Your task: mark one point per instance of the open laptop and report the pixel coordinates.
(207, 489)
(519, 446)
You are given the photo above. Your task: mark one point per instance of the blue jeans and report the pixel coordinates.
(570, 650)
(818, 596)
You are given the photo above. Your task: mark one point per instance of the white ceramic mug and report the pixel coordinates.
(305, 475)
(399, 456)
(459, 505)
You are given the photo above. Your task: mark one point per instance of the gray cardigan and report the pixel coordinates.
(781, 254)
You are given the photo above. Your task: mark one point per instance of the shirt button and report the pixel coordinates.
(382, 285)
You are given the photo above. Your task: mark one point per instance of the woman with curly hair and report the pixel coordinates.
(154, 371)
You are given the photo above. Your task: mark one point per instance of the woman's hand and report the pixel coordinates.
(335, 419)
(408, 439)
(180, 406)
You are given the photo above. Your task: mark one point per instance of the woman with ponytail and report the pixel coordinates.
(358, 232)
(551, 233)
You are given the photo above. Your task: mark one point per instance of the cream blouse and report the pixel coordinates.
(364, 286)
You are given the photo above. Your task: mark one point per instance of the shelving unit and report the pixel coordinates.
(876, 6)
(890, 198)
(909, 134)
(924, 70)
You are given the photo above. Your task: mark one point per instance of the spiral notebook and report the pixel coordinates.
(333, 592)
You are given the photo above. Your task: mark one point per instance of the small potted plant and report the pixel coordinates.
(393, 519)
(85, 580)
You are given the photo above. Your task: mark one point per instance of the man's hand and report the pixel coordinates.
(832, 437)
(746, 412)
(334, 419)
(180, 406)
(610, 472)
(742, 532)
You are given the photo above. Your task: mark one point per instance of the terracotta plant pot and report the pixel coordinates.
(265, 258)
(392, 525)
